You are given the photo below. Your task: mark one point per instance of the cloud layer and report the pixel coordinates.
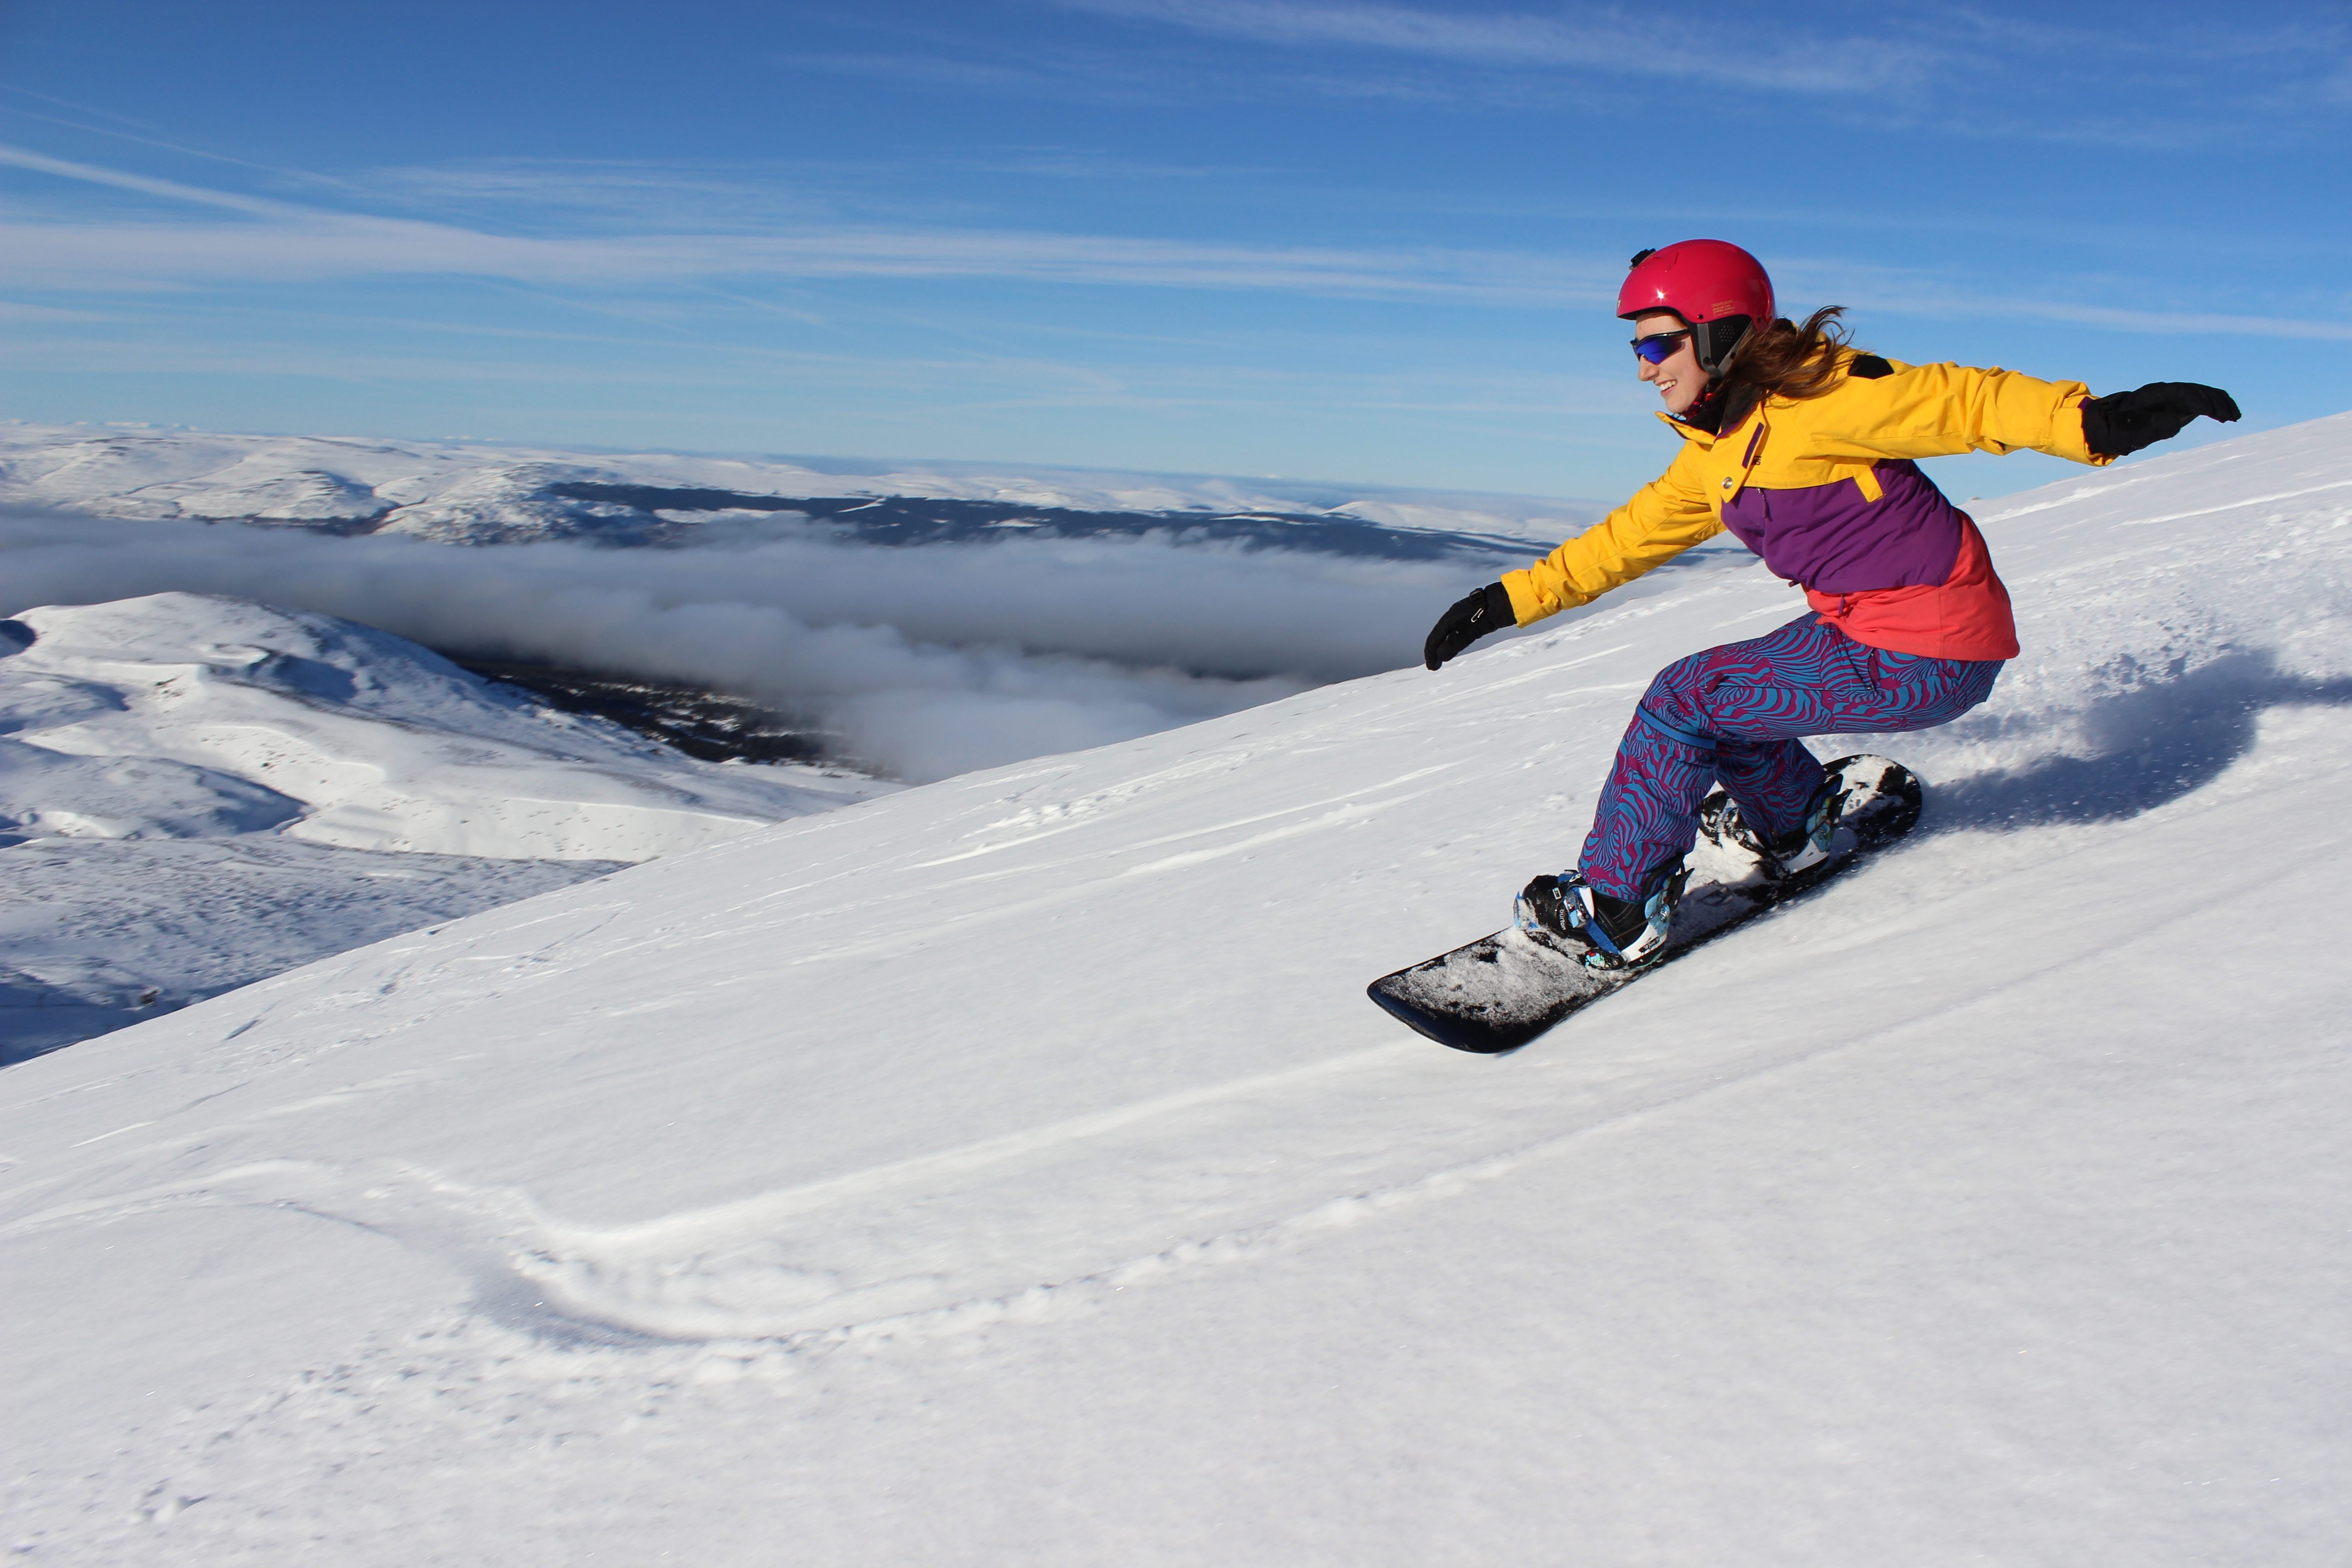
(924, 662)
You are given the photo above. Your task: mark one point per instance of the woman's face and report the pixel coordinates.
(1679, 380)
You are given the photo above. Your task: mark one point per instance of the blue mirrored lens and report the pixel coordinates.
(1659, 346)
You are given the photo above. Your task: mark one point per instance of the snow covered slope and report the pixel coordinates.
(98, 934)
(1011, 1169)
(190, 715)
(288, 744)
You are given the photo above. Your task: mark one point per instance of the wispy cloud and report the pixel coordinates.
(1583, 37)
(268, 240)
(12, 311)
(536, 194)
(1960, 71)
(145, 185)
(2336, 88)
(131, 255)
(2171, 322)
(286, 241)
(1075, 164)
(90, 119)
(1917, 293)
(913, 68)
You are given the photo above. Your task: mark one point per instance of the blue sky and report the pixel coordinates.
(1308, 237)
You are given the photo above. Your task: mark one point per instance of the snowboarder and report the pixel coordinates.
(1805, 448)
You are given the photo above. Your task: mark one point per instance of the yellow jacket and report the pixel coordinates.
(1881, 410)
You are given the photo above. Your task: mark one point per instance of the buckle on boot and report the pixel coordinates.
(1809, 845)
(1552, 908)
(1558, 912)
(1657, 915)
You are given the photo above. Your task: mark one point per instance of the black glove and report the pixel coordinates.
(2124, 422)
(1488, 610)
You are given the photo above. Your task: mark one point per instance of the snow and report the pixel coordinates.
(1011, 1170)
(189, 714)
(102, 933)
(478, 493)
(202, 791)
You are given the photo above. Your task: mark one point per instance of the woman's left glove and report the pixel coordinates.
(2124, 422)
(1488, 610)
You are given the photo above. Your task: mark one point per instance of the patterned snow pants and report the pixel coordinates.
(1733, 713)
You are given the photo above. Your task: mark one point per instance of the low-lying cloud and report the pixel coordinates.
(924, 662)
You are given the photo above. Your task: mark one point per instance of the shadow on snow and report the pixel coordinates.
(2155, 743)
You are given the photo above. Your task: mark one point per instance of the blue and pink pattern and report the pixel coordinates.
(1734, 713)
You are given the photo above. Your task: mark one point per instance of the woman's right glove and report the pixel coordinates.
(1488, 610)
(2123, 422)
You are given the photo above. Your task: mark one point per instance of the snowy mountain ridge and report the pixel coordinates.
(187, 715)
(198, 791)
(1011, 1168)
(467, 493)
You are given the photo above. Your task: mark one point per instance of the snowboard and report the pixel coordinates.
(1498, 993)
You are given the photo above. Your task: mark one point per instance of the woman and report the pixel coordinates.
(1803, 447)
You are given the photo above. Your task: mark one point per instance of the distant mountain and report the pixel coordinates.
(188, 715)
(482, 495)
(199, 791)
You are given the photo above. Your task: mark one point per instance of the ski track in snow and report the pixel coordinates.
(920, 1140)
(723, 1275)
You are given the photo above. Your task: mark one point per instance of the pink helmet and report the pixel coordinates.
(1720, 289)
(1699, 280)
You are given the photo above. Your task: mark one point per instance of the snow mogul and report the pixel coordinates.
(1804, 449)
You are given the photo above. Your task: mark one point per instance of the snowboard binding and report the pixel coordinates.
(1787, 855)
(1875, 799)
(1568, 915)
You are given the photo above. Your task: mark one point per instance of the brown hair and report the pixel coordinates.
(1790, 361)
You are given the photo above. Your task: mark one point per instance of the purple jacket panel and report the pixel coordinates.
(1832, 539)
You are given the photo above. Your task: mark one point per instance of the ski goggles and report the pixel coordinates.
(1659, 347)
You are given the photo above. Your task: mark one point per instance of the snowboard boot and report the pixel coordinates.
(1790, 854)
(1569, 915)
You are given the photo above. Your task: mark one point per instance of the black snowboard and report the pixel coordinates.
(1500, 992)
